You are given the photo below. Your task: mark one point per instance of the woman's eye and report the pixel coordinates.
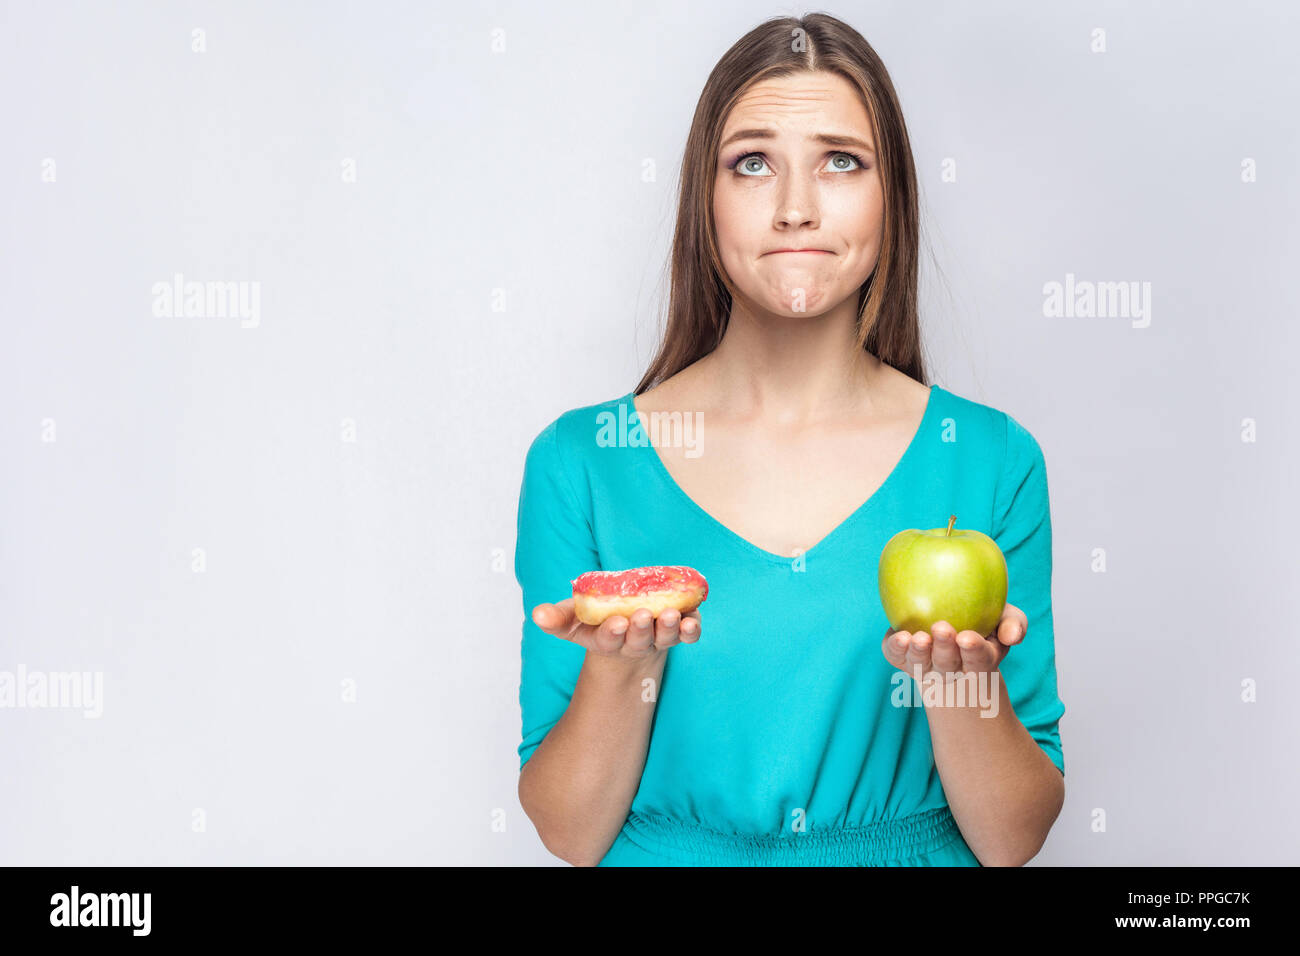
(838, 157)
(754, 164)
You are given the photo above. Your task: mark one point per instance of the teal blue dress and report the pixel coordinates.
(776, 738)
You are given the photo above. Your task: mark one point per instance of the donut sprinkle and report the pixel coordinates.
(639, 581)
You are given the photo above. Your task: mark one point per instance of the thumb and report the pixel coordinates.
(555, 619)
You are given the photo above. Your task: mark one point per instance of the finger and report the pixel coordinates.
(608, 638)
(1008, 631)
(557, 619)
(918, 653)
(977, 651)
(1013, 626)
(691, 627)
(640, 632)
(895, 647)
(946, 655)
(666, 632)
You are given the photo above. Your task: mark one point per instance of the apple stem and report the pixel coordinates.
(951, 521)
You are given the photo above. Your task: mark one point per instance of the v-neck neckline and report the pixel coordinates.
(771, 556)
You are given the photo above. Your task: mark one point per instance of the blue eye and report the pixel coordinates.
(742, 165)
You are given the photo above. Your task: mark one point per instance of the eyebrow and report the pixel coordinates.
(830, 139)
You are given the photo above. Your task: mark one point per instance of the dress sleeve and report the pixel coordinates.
(554, 544)
(1022, 526)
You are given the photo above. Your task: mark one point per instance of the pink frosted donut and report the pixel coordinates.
(600, 594)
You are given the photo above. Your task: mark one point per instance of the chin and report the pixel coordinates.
(814, 304)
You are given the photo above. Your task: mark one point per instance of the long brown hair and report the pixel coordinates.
(701, 293)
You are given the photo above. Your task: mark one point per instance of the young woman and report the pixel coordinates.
(786, 735)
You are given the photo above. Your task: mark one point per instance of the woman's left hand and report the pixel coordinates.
(948, 652)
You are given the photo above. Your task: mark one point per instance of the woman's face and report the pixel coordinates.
(810, 181)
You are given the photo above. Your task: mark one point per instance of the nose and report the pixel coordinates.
(797, 205)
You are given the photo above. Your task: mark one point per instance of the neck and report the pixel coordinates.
(793, 370)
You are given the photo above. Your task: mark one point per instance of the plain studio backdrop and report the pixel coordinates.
(281, 534)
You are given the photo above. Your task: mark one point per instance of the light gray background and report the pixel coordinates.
(388, 561)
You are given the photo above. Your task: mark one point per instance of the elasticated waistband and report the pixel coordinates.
(874, 844)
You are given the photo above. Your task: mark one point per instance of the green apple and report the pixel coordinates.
(943, 574)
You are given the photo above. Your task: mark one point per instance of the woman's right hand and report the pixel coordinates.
(639, 638)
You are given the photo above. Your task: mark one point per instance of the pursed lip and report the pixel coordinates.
(774, 251)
